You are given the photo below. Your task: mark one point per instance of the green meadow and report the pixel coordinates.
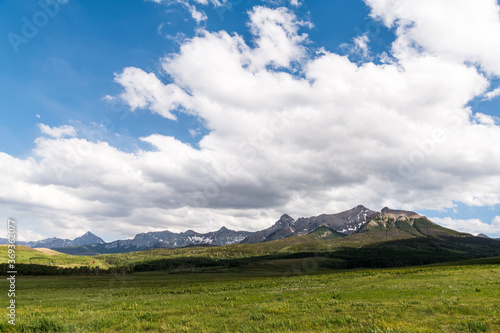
(274, 296)
(27, 255)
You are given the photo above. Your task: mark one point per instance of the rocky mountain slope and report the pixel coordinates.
(167, 239)
(54, 242)
(346, 223)
(87, 239)
(392, 224)
(360, 224)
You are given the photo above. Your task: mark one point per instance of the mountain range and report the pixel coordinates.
(344, 223)
(54, 242)
(357, 223)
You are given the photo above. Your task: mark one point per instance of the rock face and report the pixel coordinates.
(281, 229)
(396, 214)
(167, 239)
(346, 223)
(396, 224)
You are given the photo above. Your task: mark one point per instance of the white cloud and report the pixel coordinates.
(484, 119)
(472, 226)
(194, 133)
(496, 221)
(361, 43)
(462, 30)
(57, 132)
(492, 94)
(277, 38)
(215, 3)
(198, 16)
(160, 28)
(288, 132)
(146, 90)
(360, 47)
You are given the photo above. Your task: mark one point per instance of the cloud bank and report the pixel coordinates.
(290, 130)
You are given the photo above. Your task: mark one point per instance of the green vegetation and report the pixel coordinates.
(27, 255)
(324, 232)
(377, 248)
(264, 297)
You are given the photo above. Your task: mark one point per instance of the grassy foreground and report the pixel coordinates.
(419, 299)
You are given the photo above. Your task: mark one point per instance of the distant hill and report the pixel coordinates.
(486, 236)
(43, 256)
(82, 250)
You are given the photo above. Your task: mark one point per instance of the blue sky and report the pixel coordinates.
(71, 76)
(65, 70)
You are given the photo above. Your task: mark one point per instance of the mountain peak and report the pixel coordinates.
(285, 220)
(387, 210)
(87, 239)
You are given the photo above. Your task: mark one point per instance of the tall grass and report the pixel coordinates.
(420, 299)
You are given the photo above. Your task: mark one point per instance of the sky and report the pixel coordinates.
(127, 116)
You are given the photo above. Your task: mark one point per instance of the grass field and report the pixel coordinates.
(27, 255)
(264, 297)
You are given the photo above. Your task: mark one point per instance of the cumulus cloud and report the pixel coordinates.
(472, 226)
(289, 130)
(484, 119)
(57, 132)
(463, 30)
(198, 16)
(492, 94)
(145, 90)
(496, 221)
